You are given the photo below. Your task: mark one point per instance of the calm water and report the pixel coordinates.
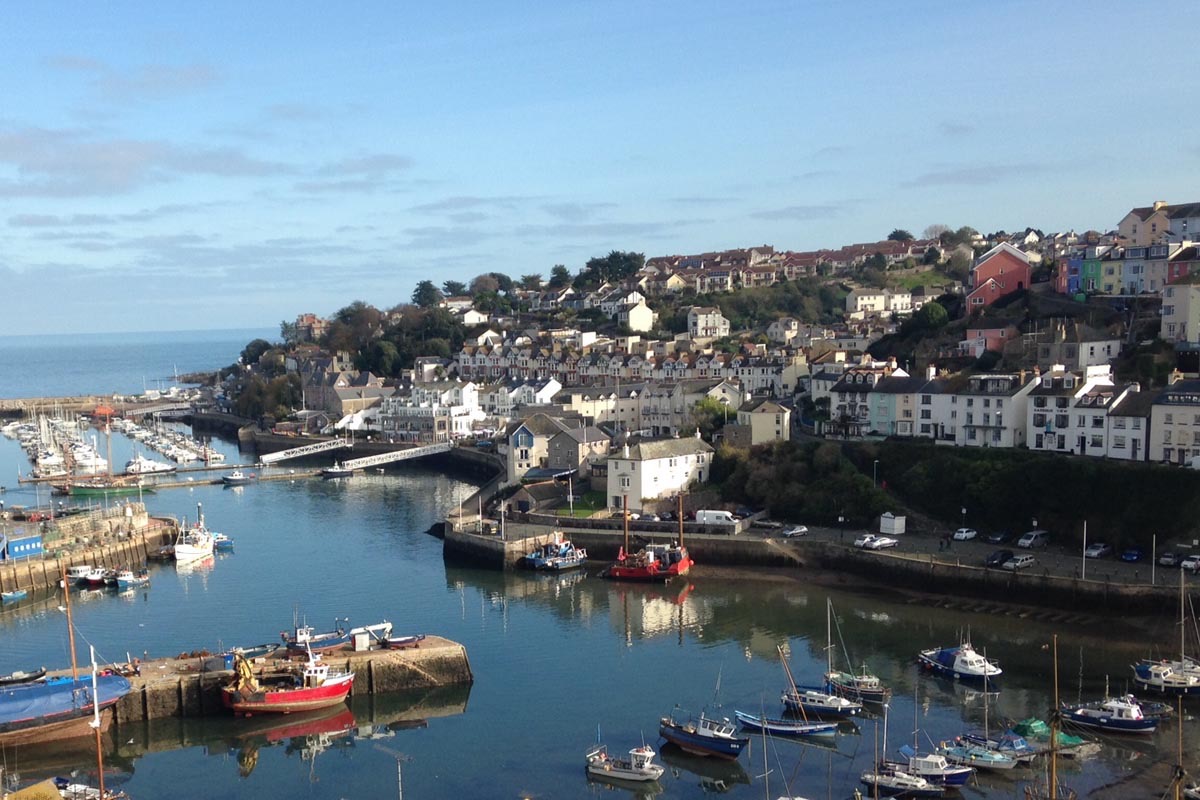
(126, 363)
(554, 659)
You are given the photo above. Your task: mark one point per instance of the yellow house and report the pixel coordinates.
(1148, 225)
(766, 420)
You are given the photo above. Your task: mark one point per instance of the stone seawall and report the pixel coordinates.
(182, 688)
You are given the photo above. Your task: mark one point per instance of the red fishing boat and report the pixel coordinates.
(655, 562)
(315, 687)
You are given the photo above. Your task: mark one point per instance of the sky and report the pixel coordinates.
(217, 165)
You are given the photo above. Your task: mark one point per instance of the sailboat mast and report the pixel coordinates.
(96, 725)
(70, 626)
(625, 520)
(1182, 625)
(829, 638)
(1054, 729)
(679, 516)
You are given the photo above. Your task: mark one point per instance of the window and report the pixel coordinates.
(1097, 422)
(1039, 420)
(1060, 402)
(926, 413)
(1166, 437)
(1169, 419)
(1039, 402)
(970, 402)
(1119, 423)
(1118, 442)
(1097, 441)
(926, 399)
(924, 428)
(1037, 442)
(1080, 420)
(971, 434)
(625, 483)
(999, 403)
(996, 436)
(970, 418)
(953, 415)
(987, 403)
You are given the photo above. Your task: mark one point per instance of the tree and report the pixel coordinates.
(932, 316)
(503, 281)
(254, 350)
(900, 235)
(876, 262)
(290, 333)
(615, 266)
(935, 231)
(530, 282)
(959, 266)
(560, 276)
(932, 256)
(482, 284)
(454, 288)
(426, 295)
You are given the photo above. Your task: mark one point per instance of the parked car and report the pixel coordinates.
(1169, 559)
(767, 523)
(998, 537)
(998, 558)
(1097, 550)
(667, 516)
(1191, 564)
(1132, 554)
(795, 530)
(743, 511)
(871, 541)
(963, 534)
(1020, 562)
(1034, 539)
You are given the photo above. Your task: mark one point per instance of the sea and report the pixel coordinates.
(560, 662)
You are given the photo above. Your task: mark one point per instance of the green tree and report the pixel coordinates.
(959, 265)
(900, 235)
(485, 283)
(290, 333)
(426, 295)
(454, 288)
(254, 350)
(932, 316)
(560, 276)
(530, 282)
(615, 266)
(932, 256)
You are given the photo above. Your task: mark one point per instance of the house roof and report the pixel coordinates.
(1134, 404)
(667, 448)
(1180, 393)
(897, 385)
(590, 434)
(762, 405)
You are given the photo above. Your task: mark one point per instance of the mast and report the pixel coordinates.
(95, 723)
(70, 625)
(1054, 727)
(679, 497)
(625, 522)
(829, 641)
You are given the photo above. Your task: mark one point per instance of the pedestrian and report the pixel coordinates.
(941, 545)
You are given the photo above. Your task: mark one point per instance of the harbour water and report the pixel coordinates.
(556, 659)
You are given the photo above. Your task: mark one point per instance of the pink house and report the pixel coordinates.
(998, 273)
(980, 339)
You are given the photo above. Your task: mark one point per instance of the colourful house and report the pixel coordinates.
(998, 273)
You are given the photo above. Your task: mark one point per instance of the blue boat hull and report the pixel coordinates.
(1107, 723)
(698, 744)
(944, 671)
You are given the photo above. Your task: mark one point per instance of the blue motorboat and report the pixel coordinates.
(14, 595)
(704, 736)
(56, 707)
(304, 639)
(222, 543)
(785, 727)
(819, 702)
(1009, 743)
(966, 754)
(961, 663)
(1114, 714)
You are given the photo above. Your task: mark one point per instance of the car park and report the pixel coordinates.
(1132, 554)
(1191, 564)
(1034, 539)
(964, 534)
(871, 541)
(998, 558)
(795, 530)
(1023, 561)
(1098, 550)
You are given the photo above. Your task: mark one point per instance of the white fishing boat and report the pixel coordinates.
(195, 542)
(140, 465)
(639, 766)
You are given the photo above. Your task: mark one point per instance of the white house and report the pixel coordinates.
(637, 316)
(707, 322)
(1067, 411)
(657, 469)
(1127, 435)
(1181, 311)
(1175, 423)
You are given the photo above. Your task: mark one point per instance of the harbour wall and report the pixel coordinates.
(830, 562)
(182, 687)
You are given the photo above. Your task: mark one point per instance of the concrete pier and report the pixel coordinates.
(182, 688)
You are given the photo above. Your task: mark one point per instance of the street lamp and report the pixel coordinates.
(875, 473)
(964, 516)
(841, 526)
(725, 407)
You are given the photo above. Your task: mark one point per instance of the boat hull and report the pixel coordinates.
(1108, 723)
(784, 727)
(287, 701)
(58, 709)
(699, 745)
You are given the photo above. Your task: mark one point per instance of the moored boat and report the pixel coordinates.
(639, 766)
(304, 638)
(78, 573)
(315, 687)
(140, 465)
(861, 686)
(653, 563)
(970, 755)
(1180, 677)
(891, 782)
(933, 767)
(785, 727)
(127, 578)
(194, 543)
(14, 595)
(95, 576)
(336, 471)
(703, 736)
(1115, 714)
(106, 488)
(404, 642)
(222, 543)
(961, 663)
(238, 478)
(20, 676)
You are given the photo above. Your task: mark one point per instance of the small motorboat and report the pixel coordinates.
(704, 736)
(639, 766)
(972, 755)
(817, 701)
(960, 663)
(404, 642)
(20, 676)
(14, 595)
(889, 782)
(932, 767)
(238, 478)
(110, 577)
(1115, 714)
(304, 638)
(95, 576)
(785, 727)
(222, 543)
(78, 573)
(127, 578)
(337, 471)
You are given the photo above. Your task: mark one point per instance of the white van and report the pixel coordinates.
(1034, 539)
(715, 517)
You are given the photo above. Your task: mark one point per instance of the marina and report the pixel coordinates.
(649, 637)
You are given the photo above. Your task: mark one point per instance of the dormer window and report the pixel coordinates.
(1069, 382)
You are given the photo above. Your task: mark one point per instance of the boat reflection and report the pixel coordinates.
(638, 789)
(716, 775)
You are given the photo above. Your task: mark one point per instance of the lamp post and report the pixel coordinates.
(725, 408)
(875, 473)
(841, 527)
(964, 516)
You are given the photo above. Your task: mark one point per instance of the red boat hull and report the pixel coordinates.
(653, 572)
(287, 701)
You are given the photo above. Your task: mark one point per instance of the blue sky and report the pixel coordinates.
(220, 165)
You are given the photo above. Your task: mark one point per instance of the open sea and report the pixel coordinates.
(557, 659)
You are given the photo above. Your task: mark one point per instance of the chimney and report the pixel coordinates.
(1021, 377)
(1159, 204)
(1037, 374)
(625, 451)
(931, 372)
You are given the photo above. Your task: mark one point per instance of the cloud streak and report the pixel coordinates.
(142, 83)
(982, 175)
(799, 213)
